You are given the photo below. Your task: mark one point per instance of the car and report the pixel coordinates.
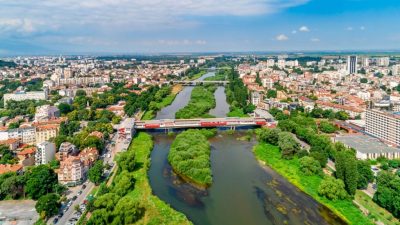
(55, 221)
(79, 192)
(74, 198)
(84, 186)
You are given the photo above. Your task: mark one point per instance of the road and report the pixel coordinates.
(120, 145)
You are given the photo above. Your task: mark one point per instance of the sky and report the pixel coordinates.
(159, 26)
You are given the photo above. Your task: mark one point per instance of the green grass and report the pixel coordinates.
(157, 211)
(197, 75)
(150, 114)
(375, 211)
(201, 101)
(236, 112)
(309, 184)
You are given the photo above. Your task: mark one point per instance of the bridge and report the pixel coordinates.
(230, 122)
(197, 82)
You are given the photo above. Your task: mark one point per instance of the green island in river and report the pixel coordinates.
(189, 156)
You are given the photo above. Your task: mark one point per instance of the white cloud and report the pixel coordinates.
(362, 28)
(349, 28)
(127, 14)
(181, 42)
(281, 37)
(294, 31)
(304, 29)
(315, 39)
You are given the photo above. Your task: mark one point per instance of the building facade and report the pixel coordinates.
(384, 125)
(45, 153)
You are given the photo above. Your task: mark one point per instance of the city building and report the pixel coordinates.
(126, 129)
(384, 125)
(256, 98)
(46, 131)
(46, 112)
(66, 149)
(6, 168)
(71, 171)
(45, 152)
(21, 96)
(368, 147)
(352, 64)
(24, 135)
(27, 156)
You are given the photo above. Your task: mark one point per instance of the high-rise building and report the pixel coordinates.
(45, 152)
(352, 64)
(365, 62)
(383, 61)
(396, 70)
(384, 125)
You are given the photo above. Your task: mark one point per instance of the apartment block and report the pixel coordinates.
(384, 125)
(45, 152)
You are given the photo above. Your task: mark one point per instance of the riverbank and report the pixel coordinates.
(290, 169)
(156, 211)
(189, 157)
(150, 114)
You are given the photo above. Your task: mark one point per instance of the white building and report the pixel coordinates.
(126, 129)
(351, 64)
(267, 83)
(46, 112)
(383, 61)
(396, 70)
(24, 135)
(21, 96)
(383, 125)
(256, 98)
(45, 152)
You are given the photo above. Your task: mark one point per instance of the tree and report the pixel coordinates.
(363, 80)
(11, 185)
(327, 127)
(388, 193)
(65, 108)
(96, 172)
(271, 93)
(123, 182)
(365, 174)
(126, 161)
(106, 201)
(40, 181)
(332, 188)
(268, 135)
(309, 166)
(127, 211)
(48, 205)
(288, 145)
(346, 170)
(342, 115)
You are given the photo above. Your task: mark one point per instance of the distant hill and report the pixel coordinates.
(5, 63)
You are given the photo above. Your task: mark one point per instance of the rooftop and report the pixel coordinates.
(365, 144)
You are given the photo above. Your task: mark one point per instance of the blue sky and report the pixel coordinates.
(151, 26)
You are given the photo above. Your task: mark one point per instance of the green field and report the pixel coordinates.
(290, 169)
(376, 212)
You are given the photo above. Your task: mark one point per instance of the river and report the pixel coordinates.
(243, 192)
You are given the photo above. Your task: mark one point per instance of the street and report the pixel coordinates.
(110, 150)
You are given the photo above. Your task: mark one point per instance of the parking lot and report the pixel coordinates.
(18, 212)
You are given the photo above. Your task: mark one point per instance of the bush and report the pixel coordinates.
(309, 166)
(332, 189)
(190, 156)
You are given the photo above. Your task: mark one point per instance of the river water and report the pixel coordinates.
(243, 192)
